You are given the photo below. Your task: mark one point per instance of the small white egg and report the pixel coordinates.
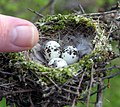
(57, 63)
(52, 50)
(70, 54)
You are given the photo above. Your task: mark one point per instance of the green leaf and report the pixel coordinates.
(3, 102)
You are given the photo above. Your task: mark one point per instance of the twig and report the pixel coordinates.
(51, 91)
(89, 91)
(69, 91)
(99, 95)
(53, 82)
(80, 72)
(106, 69)
(70, 86)
(116, 37)
(110, 31)
(40, 15)
(100, 89)
(80, 83)
(8, 84)
(99, 14)
(119, 45)
(42, 9)
(8, 73)
(73, 104)
(93, 93)
(64, 102)
(52, 7)
(81, 8)
(32, 105)
(16, 92)
(111, 76)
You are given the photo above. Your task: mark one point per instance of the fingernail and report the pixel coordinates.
(23, 36)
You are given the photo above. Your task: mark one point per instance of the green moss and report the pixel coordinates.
(61, 75)
(59, 22)
(58, 74)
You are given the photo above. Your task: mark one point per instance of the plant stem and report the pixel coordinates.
(99, 95)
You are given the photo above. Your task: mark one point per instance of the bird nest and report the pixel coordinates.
(27, 80)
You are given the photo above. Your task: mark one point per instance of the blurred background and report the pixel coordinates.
(19, 8)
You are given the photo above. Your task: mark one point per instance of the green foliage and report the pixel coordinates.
(4, 104)
(102, 2)
(62, 21)
(112, 95)
(19, 8)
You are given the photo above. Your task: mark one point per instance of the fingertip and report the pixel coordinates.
(17, 34)
(24, 36)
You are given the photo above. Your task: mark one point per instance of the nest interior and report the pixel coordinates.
(26, 80)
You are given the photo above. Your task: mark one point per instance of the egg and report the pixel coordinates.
(57, 63)
(52, 50)
(70, 54)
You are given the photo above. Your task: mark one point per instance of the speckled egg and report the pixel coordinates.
(52, 50)
(70, 54)
(57, 63)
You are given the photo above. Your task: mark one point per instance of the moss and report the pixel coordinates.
(60, 74)
(58, 22)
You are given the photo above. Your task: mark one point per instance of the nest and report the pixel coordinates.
(26, 80)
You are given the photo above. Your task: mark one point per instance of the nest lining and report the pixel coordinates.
(51, 86)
